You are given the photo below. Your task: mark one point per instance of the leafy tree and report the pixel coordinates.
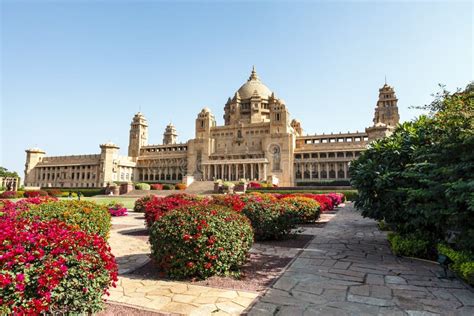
(5, 173)
(421, 178)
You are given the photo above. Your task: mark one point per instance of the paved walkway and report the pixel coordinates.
(348, 269)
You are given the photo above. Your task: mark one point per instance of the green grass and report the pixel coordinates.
(126, 201)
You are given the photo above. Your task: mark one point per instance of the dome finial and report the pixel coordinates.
(253, 75)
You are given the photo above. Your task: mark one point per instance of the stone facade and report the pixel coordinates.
(258, 141)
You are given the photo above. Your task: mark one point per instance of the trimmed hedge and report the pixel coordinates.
(307, 208)
(409, 246)
(201, 241)
(350, 195)
(90, 217)
(271, 221)
(335, 183)
(142, 186)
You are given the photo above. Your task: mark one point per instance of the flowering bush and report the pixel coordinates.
(8, 195)
(54, 192)
(158, 206)
(117, 209)
(168, 187)
(140, 203)
(254, 185)
(232, 201)
(180, 186)
(271, 220)
(90, 217)
(11, 208)
(156, 186)
(337, 198)
(49, 267)
(36, 193)
(200, 240)
(307, 208)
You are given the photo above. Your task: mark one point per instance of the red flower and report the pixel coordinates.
(187, 237)
(208, 265)
(190, 264)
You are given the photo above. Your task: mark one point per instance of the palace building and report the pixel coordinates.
(258, 141)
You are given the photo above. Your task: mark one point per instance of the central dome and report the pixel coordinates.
(252, 85)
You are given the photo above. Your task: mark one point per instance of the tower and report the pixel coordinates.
(33, 157)
(386, 111)
(108, 169)
(138, 135)
(170, 136)
(386, 115)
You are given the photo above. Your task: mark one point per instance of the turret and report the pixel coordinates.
(204, 122)
(138, 135)
(33, 157)
(108, 163)
(386, 115)
(170, 136)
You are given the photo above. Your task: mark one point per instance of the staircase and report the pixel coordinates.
(200, 187)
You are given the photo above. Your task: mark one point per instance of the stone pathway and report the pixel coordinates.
(130, 252)
(348, 269)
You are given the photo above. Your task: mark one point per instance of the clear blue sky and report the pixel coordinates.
(73, 73)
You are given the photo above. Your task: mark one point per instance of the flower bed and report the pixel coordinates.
(271, 221)
(307, 208)
(200, 240)
(90, 217)
(157, 206)
(117, 209)
(51, 267)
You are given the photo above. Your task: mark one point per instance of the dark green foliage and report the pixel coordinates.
(421, 178)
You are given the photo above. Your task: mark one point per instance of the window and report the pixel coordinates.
(277, 116)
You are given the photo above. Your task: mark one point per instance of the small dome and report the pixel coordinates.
(253, 85)
(206, 110)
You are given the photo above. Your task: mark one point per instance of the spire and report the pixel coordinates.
(253, 75)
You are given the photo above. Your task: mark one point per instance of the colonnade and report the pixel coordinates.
(229, 171)
(321, 170)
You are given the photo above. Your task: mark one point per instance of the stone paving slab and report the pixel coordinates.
(179, 298)
(348, 269)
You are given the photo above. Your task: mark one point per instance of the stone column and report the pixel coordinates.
(251, 171)
(345, 170)
(327, 170)
(245, 170)
(311, 171)
(222, 172)
(265, 172)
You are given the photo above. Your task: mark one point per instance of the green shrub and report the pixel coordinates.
(462, 262)
(168, 187)
(350, 195)
(409, 246)
(141, 202)
(200, 241)
(142, 186)
(271, 220)
(308, 209)
(90, 217)
(66, 194)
